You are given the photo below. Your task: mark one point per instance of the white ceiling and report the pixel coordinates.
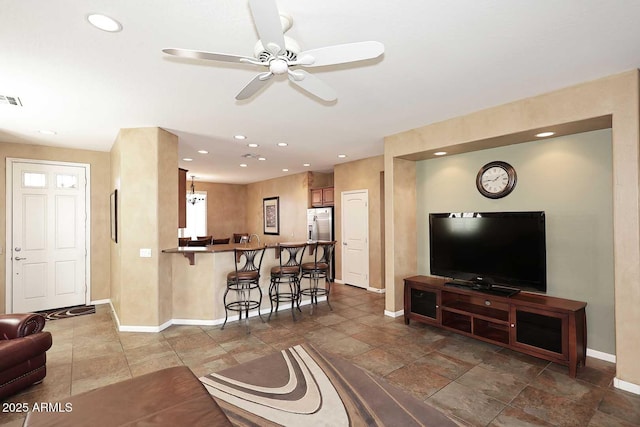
(442, 59)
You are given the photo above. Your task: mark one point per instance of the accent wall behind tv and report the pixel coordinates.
(570, 178)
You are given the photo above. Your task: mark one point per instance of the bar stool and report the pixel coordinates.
(320, 268)
(287, 273)
(244, 279)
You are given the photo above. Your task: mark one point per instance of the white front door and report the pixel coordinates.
(48, 239)
(355, 238)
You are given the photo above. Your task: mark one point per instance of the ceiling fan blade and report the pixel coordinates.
(257, 83)
(341, 53)
(313, 85)
(211, 56)
(267, 19)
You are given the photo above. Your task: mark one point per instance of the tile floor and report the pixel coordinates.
(473, 382)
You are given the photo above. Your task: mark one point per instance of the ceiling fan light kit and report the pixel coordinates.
(280, 54)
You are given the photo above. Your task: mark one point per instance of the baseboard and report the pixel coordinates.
(148, 329)
(601, 355)
(394, 313)
(115, 315)
(626, 386)
(101, 301)
(339, 281)
(376, 290)
(195, 322)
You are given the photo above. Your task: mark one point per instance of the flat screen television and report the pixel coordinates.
(496, 252)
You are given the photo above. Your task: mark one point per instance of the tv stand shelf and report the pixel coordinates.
(547, 327)
(478, 311)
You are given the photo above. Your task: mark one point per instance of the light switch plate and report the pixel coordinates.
(145, 253)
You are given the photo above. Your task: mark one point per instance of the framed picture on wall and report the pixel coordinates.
(271, 215)
(114, 216)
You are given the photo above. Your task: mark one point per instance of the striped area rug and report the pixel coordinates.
(66, 312)
(304, 386)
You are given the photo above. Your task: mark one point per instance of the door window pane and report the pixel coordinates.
(66, 181)
(34, 179)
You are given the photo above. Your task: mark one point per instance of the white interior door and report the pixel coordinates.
(48, 241)
(355, 238)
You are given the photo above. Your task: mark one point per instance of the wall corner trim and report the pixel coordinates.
(626, 386)
(394, 314)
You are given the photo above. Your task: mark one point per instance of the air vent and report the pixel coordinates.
(253, 156)
(10, 100)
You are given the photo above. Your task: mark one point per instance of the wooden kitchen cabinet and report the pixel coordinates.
(322, 197)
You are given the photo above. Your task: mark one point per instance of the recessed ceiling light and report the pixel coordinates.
(47, 132)
(342, 156)
(188, 159)
(306, 165)
(253, 145)
(282, 144)
(285, 170)
(243, 165)
(262, 158)
(543, 134)
(104, 23)
(240, 137)
(439, 153)
(203, 152)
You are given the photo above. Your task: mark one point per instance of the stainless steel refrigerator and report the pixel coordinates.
(319, 224)
(320, 227)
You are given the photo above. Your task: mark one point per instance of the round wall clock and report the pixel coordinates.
(496, 179)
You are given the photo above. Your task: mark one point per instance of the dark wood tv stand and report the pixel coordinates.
(550, 328)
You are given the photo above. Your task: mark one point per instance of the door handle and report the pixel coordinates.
(18, 258)
(344, 243)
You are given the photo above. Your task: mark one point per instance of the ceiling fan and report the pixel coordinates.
(280, 54)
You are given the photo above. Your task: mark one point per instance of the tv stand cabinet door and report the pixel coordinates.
(540, 333)
(421, 303)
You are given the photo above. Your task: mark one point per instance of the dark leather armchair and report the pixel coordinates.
(23, 347)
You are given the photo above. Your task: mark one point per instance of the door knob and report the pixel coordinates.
(18, 258)
(344, 243)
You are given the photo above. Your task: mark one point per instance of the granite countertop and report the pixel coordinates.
(190, 251)
(226, 248)
(213, 248)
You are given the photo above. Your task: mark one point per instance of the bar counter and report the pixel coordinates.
(199, 283)
(190, 251)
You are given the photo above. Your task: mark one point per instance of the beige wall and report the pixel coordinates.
(146, 175)
(99, 204)
(403, 257)
(226, 213)
(321, 179)
(362, 175)
(570, 178)
(293, 191)
(167, 210)
(115, 249)
(236, 208)
(615, 96)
